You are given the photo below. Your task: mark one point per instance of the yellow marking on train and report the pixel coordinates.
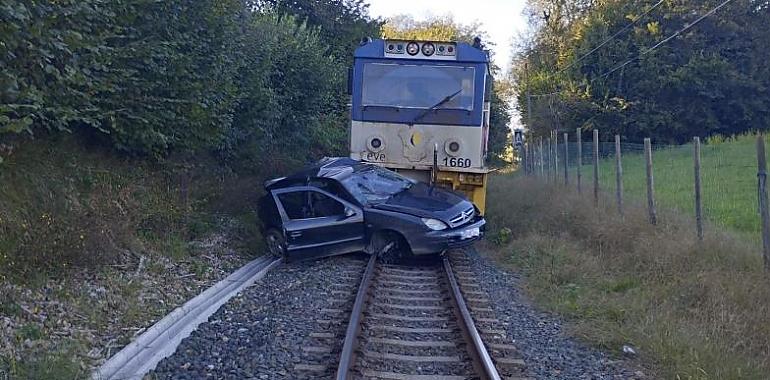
(416, 139)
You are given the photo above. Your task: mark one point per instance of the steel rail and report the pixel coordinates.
(354, 326)
(478, 351)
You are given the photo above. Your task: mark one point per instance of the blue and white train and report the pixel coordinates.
(422, 108)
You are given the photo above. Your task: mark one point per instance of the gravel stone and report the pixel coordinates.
(264, 332)
(546, 348)
(260, 334)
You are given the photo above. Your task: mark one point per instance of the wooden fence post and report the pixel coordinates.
(763, 206)
(579, 158)
(542, 163)
(555, 157)
(697, 188)
(566, 159)
(550, 160)
(618, 175)
(596, 167)
(525, 147)
(650, 183)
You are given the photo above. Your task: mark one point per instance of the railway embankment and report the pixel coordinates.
(680, 307)
(94, 249)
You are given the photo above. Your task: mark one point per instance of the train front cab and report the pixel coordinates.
(408, 104)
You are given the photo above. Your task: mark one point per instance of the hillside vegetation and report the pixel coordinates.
(691, 310)
(595, 61)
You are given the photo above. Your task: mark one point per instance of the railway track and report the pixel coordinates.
(420, 322)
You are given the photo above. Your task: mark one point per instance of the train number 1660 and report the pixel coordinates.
(457, 162)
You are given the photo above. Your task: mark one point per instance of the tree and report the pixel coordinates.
(710, 80)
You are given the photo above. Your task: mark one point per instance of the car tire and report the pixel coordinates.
(275, 242)
(389, 247)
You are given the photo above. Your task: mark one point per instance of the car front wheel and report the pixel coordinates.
(389, 247)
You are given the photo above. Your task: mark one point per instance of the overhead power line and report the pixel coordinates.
(669, 38)
(651, 49)
(612, 37)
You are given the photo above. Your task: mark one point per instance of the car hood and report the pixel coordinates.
(427, 202)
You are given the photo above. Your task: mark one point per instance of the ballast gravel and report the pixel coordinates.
(261, 333)
(546, 348)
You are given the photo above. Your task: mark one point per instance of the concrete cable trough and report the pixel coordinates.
(162, 339)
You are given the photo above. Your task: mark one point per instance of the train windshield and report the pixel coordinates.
(418, 86)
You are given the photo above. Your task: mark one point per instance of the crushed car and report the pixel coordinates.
(340, 205)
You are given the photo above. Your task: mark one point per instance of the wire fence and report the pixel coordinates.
(720, 181)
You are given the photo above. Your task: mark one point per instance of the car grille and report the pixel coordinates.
(462, 218)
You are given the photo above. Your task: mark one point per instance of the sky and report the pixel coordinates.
(502, 19)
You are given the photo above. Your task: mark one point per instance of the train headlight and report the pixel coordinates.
(428, 49)
(375, 144)
(412, 48)
(452, 147)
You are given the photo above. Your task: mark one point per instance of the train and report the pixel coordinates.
(422, 109)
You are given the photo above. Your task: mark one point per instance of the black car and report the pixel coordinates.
(340, 205)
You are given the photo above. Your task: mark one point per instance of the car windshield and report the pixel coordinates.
(375, 184)
(418, 86)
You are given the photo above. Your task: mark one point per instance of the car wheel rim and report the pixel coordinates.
(274, 245)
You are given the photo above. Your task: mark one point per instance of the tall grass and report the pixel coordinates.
(693, 310)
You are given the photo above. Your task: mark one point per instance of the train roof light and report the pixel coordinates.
(428, 49)
(420, 50)
(413, 48)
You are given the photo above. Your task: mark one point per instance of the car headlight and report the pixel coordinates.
(434, 224)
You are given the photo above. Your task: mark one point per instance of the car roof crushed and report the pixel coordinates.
(328, 167)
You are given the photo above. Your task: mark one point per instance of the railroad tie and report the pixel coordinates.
(416, 299)
(409, 307)
(322, 335)
(402, 283)
(413, 343)
(510, 362)
(405, 318)
(502, 347)
(413, 330)
(412, 358)
(487, 320)
(414, 292)
(406, 277)
(310, 367)
(317, 349)
(408, 376)
(329, 321)
(492, 332)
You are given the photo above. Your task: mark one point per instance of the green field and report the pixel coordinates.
(728, 175)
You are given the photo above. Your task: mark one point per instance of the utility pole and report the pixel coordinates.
(529, 97)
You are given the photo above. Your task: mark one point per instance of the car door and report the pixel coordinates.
(317, 223)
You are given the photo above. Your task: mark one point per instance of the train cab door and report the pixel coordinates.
(317, 223)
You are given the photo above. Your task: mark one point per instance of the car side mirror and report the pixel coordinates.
(349, 212)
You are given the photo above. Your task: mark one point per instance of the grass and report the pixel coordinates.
(729, 180)
(693, 310)
(74, 218)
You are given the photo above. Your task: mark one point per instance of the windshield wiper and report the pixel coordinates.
(439, 104)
